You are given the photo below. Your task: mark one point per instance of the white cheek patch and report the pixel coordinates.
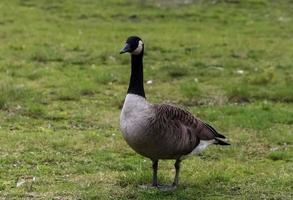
(138, 48)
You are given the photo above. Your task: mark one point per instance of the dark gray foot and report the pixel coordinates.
(167, 187)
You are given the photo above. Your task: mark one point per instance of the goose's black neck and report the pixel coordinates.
(136, 78)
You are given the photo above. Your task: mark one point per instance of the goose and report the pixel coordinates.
(160, 131)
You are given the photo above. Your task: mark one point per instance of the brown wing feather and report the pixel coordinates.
(178, 130)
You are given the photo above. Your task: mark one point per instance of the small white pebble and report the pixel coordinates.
(195, 80)
(93, 66)
(149, 82)
(112, 58)
(274, 149)
(240, 71)
(283, 19)
(19, 183)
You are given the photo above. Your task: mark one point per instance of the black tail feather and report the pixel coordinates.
(216, 134)
(221, 142)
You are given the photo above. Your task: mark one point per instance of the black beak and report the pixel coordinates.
(125, 49)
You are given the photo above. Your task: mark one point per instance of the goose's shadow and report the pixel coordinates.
(160, 187)
(186, 190)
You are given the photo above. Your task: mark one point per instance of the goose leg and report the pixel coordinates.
(177, 168)
(155, 173)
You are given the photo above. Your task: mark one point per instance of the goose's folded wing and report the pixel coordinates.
(174, 129)
(180, 122)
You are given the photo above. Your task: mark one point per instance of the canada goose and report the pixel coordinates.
(160, 131)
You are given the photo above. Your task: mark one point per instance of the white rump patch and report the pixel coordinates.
(203, 144)
(138, 48)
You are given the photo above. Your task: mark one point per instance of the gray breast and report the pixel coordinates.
(134, 120)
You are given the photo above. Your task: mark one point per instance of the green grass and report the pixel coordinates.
(63, 82)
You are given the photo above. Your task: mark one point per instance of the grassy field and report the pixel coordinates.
(63, 83)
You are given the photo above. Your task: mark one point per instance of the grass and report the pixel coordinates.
(63, 82)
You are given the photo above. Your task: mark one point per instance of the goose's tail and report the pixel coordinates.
(218, 137)
(221, 142)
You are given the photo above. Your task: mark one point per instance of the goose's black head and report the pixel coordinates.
(133, 45)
